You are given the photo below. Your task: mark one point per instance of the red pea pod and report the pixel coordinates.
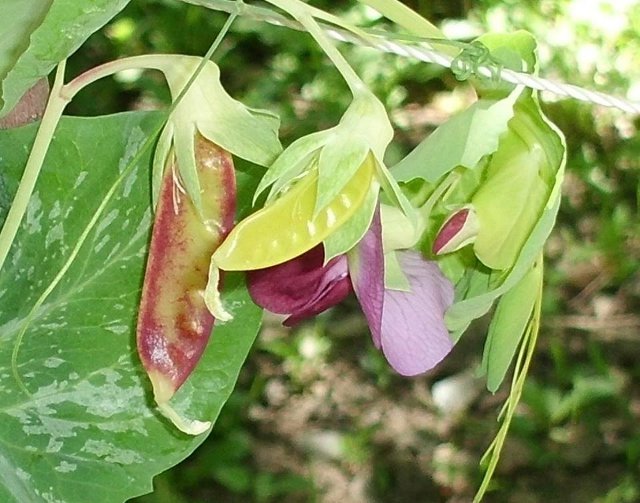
(174, 323)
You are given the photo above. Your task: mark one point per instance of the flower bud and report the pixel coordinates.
(459, 230)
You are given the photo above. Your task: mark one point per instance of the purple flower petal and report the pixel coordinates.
(414, 337)
(366, 269)
(301, 287)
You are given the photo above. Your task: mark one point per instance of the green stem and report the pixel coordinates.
(337, 21)
(450, 181)
(148, 62)
(410, 20)
(301, 12)
(50, 118)
(523, 362)
(266, 14)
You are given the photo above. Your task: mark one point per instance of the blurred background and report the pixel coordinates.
(317, 414)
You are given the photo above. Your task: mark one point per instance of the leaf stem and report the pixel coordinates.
(439, 192)
(50, 118)
(411, 21)
(274, 17)
(301, 12)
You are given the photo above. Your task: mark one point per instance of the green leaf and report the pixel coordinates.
(508, 325)
(18, 19)
(515, 51)
(45, 37)
(87, 430)
(461, 141)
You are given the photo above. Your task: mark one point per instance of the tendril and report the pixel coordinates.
(471, 59)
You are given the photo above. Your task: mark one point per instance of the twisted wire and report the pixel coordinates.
(511, 76)
(426, 53)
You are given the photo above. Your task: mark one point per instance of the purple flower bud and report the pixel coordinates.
(459, 230)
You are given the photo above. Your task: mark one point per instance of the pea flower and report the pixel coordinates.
(319, 237)
(407, 325)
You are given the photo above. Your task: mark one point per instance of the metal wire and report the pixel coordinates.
(426, 53)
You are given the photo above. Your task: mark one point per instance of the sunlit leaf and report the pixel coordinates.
(18, 19)
(461, 141)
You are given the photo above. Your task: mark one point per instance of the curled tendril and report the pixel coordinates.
(471, 58)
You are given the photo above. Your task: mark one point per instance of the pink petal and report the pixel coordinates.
(366, 268)
(301, 287)
(414, 336)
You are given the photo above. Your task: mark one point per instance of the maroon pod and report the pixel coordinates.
(174, 323)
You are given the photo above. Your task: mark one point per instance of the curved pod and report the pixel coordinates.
(287, 228)
(174, 324)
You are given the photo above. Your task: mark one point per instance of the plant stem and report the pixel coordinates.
(149, 62)
(50, 118)
(269, 15)
(301, 13)
(410, 20)
(450, 181)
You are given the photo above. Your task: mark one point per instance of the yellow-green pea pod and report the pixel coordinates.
(286, 228)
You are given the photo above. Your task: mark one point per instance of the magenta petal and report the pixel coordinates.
(334, 293)
(301, 287)
(366, 268)
(414, 336)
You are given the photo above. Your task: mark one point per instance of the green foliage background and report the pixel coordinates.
(575, 436)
